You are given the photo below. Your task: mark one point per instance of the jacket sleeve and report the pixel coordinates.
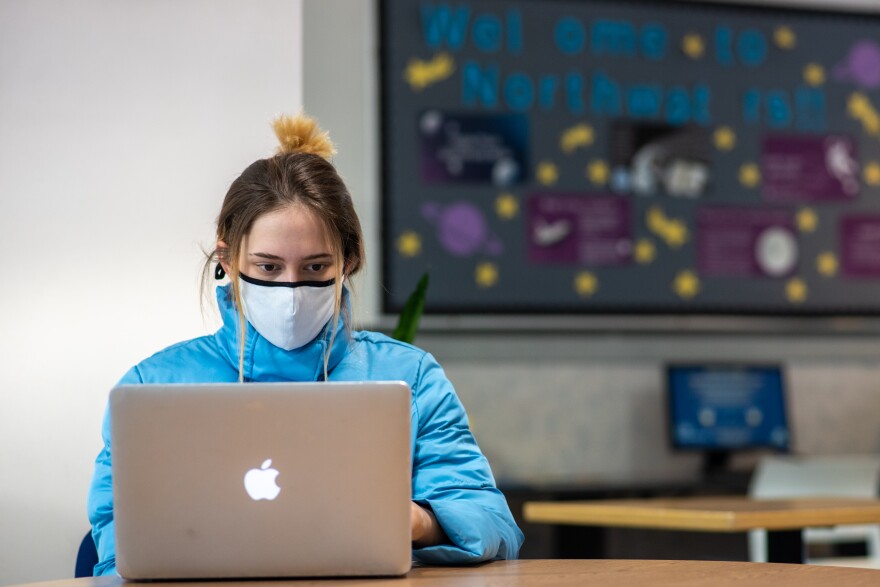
(452, 477)
(100, 503)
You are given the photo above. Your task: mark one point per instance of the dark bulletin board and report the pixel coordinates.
(630, 157)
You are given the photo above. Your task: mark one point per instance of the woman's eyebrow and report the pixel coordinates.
(272, 257)
(267, 256)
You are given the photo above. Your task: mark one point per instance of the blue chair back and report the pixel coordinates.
(86, 558)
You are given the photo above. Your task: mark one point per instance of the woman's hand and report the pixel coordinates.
(425, 529)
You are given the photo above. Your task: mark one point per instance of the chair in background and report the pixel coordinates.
(820, 476)
(86, 557)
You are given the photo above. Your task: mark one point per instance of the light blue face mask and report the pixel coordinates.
(287, 314)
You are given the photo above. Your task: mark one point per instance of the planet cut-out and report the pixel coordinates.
(462, 229)
(861, 65)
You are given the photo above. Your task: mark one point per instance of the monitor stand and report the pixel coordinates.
(715, 464)
(718, 477)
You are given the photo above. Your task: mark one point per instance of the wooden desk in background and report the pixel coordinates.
(608, 573)
(784, 519)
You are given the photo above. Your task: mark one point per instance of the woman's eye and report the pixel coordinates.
(316, 267)
(268, 267)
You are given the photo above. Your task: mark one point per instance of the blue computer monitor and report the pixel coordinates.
(726, 408)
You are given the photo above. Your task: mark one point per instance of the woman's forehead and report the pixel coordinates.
(288, 231)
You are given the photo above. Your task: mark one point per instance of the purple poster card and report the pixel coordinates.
(860, 246)
(579, 229)
(807, 168)
(745, 242)
(462, 229)
(487, 148)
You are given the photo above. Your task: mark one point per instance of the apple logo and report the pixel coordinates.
(260, 483)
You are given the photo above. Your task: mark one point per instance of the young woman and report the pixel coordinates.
(288, 238)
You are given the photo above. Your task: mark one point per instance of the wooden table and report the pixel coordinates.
(611, 573)
(784, 519)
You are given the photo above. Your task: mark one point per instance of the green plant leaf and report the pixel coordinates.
(408, 321)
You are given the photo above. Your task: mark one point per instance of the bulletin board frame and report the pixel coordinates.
(587, 201)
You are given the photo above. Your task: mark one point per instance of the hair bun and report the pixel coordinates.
(300, 134)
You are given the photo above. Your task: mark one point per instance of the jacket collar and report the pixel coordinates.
(264, 361)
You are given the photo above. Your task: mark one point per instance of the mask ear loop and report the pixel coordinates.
(219, 273)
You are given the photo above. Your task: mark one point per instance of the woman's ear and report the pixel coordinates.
(222, 255)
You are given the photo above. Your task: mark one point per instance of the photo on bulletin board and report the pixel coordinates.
(630, 157)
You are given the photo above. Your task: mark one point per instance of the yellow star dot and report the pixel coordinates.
(656, 220)
(506, 206)
(645, 251)
(807, 220)
(749, 175)
(784, 38)
(421, 74)
(724, 138)
(872, 173)
(586, 284)
(675, 233)
(859, 107)
(580, 135)
(858, 104)
(547, 173)
(693, 46)
(814, 74)
(486, 275)
(409, 244)
(826, 264)
(686, 284)
(598, 172)
(796, 290)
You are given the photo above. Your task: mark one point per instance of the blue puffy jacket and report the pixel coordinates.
(450, 474)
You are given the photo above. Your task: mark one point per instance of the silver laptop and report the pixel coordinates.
(261, 479)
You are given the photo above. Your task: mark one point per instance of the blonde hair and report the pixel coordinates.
(300, 134)
(300, 174)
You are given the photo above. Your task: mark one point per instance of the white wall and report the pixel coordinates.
(340, 90)
(122, 124)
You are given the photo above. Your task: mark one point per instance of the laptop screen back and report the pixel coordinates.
(261, 479)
